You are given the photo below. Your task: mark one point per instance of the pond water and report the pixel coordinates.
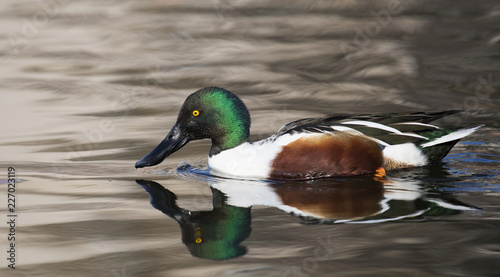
(89, 87)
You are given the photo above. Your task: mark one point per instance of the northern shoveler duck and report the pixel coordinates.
(307, 148)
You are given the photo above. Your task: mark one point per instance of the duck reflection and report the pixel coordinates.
(218, 234)
(215, 234)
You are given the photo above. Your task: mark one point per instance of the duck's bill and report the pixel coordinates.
(174, 141)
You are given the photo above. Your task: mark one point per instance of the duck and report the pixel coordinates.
(309, 148)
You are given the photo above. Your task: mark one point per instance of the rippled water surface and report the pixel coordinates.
(89, 87)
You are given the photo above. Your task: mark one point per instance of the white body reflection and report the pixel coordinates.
(347, 200)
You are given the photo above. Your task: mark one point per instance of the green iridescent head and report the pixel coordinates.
(213, 113)
(217, 114)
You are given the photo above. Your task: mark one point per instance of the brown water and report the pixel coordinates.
(89, 87)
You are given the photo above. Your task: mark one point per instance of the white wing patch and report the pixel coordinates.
(412, 135)
(373, 125)
(345, 129)
(386, 128)
(417, 124)
(452, 136)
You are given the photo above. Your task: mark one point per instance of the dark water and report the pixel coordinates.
(89, 87)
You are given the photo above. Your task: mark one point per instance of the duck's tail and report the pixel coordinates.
(441, 141)
(438, 144)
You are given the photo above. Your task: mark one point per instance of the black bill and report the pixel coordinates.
(172, 142)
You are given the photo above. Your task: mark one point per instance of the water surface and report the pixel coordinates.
(89, 87)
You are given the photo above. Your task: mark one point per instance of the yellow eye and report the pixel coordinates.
(196, 113)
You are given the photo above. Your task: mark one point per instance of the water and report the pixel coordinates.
(89, 87)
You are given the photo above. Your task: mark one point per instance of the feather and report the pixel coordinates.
(452, 136)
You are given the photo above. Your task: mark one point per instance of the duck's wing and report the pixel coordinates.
(388, 129)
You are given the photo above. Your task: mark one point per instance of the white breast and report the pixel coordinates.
(250, 160)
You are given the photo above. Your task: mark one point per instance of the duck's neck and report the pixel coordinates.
(230, 137)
